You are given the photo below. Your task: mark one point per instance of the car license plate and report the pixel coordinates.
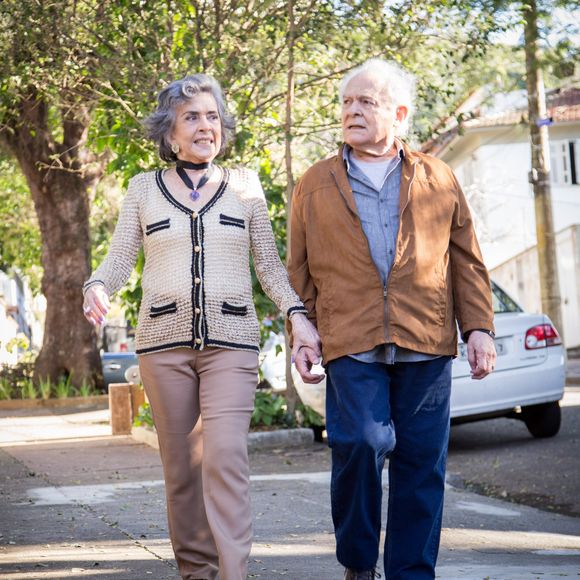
(500, 348)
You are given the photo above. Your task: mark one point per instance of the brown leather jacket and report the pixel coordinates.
(438, 275)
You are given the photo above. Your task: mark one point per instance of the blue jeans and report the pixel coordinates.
(399, 411)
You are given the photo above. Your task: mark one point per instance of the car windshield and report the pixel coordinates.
(501, 301)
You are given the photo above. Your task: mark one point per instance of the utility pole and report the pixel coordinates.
(540, 174)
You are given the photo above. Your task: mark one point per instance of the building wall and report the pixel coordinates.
(492, 166)
(519, 276)
(20, 313)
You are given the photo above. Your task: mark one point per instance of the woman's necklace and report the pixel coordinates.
(181, 166)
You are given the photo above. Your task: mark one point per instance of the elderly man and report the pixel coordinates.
(384, 255)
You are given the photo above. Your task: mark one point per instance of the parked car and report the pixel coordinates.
(528, 381)
(115, 365)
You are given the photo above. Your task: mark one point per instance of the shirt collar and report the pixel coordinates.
(346, 152)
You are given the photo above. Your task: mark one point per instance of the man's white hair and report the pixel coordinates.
(399, 85)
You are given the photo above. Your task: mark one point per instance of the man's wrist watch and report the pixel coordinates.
(484, 330)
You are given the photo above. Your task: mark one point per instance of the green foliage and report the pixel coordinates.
(308, 417)
(271, 410)
(144, 417)
(19, 235)
(16, 383)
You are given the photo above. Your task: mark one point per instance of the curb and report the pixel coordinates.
(256, 440)
(280, 438)
(145, 435)
(11, 404)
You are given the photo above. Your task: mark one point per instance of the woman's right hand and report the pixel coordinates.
(96, 304)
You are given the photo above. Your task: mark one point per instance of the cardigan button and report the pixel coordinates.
(197, 249)
(194, 214)
(197, 280)
(198, 310)
(198, 341)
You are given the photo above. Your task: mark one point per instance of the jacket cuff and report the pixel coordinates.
(465, 335)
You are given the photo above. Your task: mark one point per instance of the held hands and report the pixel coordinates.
(96, 304)
(306, 351)
(480, 354)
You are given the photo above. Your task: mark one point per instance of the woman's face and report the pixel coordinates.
(197, 129)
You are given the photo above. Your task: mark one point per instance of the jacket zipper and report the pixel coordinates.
(387, 336)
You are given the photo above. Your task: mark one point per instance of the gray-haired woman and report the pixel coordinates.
(198, 334)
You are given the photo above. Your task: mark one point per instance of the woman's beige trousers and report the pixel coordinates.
(202, 402)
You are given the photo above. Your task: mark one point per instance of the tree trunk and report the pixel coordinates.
(59, 177)
(292, 397)
(540, 175)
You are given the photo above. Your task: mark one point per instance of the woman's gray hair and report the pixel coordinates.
(160, 123)
(399, 85)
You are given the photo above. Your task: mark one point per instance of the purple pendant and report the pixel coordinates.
(194, 195)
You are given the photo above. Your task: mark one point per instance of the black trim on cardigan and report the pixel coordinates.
(232, 221)
(203, 327)
(234, 345)
(209, 342)
(293, 309)
(231, 309)
(197, 272)
(87, 285)
(162, 225)
(218, 193)
(155, 311)
(167, 346)
(167, 194)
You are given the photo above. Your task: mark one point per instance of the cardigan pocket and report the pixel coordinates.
(227, 220)
(156, 311)
(157, 226)
(234, 310)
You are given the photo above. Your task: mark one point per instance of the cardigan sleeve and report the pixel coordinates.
(271, 272)
(127, 239)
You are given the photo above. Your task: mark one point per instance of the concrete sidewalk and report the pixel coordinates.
(78, 503)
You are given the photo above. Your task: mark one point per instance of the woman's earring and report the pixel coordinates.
(175, 148)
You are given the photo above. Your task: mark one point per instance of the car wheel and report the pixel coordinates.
(543, 420)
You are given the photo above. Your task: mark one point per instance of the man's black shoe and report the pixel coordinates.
(365, 575)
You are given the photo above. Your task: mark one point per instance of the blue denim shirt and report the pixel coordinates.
(379, 214)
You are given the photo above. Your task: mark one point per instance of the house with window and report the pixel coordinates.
(20, 315)
(489, 150)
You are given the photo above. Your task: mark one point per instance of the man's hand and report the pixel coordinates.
(96, 304)
(304, 334)
(304, 359)
(480, 354)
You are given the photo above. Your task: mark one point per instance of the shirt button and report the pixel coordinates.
(198, 341)
(197, 280)
(196, 249)
(198, 310)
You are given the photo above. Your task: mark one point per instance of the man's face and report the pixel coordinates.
(368, 115)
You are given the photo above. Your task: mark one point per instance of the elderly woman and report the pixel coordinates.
(198, 334)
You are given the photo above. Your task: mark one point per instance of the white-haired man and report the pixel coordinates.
(384, 255)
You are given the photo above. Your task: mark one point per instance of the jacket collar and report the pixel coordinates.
(338, 170)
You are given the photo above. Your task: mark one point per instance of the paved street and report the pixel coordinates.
(78, 503)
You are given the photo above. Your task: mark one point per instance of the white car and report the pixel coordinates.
(527, 384)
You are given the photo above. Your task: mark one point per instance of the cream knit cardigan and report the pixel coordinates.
(197, 286)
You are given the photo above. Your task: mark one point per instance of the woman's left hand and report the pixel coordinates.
(304, 334)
